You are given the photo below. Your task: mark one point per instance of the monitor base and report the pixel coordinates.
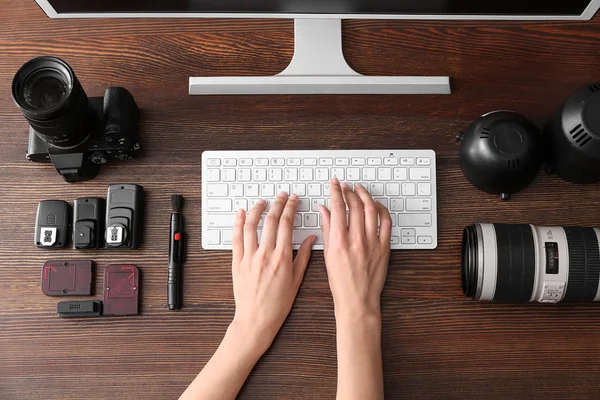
(318, 67)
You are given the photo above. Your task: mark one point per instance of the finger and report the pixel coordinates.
(267, 240)
(385, 228)
(338, 223)
(302, 258)
(238, 237)
(251, 226)
(356, 223)
(325, 224)
(370, 210)
(286, 225)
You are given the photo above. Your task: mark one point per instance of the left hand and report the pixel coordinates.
(266, 278)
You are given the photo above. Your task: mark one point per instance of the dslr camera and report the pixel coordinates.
(75, 133)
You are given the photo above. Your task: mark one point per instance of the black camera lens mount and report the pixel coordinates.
(53, 101)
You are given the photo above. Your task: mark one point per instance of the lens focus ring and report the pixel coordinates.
(584, 264)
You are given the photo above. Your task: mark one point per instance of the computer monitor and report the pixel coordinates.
(318, 65)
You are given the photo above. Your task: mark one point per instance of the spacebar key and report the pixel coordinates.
(414, 220)
(299, 235)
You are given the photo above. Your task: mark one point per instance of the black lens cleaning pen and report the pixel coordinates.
(176, 253)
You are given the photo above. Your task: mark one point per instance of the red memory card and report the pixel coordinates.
(121, 288)
(67, 278)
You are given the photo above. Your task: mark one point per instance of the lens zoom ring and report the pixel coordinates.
(584, 264)
(516, 263)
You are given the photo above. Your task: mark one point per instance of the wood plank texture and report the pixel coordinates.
(437, 345)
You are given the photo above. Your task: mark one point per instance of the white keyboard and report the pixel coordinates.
(403, 180)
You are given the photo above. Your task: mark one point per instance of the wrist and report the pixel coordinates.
(368, 317)
(252, 340)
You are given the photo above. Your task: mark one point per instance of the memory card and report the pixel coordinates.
(67, 278)
(121, 290)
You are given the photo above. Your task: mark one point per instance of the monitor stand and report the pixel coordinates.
(319, 67)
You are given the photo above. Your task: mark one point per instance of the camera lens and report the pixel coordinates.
(52, 100)
(522, 263)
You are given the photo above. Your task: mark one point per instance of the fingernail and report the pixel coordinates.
(358, 185)
(335, 180)
(294, 196)
(344, 186)
(313, 239)
(260, 201)
(282, 195)
(240, 212)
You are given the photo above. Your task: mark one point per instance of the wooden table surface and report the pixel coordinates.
(437, 345)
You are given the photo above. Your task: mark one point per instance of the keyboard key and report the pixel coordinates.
(290, 174)
(299, 189)
(261, 162)
(219, 221)
(261, 221)
(407, 161)
(217, 189)
(219, 205)
(296, 162)
(420, 174)
(408, 189)
(213, 175)
(311, 220)
(300, 235)
(326, 187)
(252, 189)
(384, 174)
(240, 204)
(230, 162)
(396, 204)
(310, 162)
(236, 190)
(253, 202)
(374, 161)
(383, 201)
(306, 174)
(400, 174)
(424, 189)
(245, 162)
(229, 175)
(342, 162)
(282, 188)
(395, 240)
(418, 204)
(275, 174)
(390, 161)
(314, 189)
(326, 162)
(423, 161)
(244, 175)
(352, 174)
(297, 220)
(260, 175)
(414, 220)
(369, 174)
(267, 190)
(409, 240)
(316, 203)
(424, 240)
(227, 236)
(392, 189)
(321, 174)
(338, 173)
(393, 216)
(408, 232)
(359, 161)
(376, 189)
(278, 162)
(213, 237)
(303, 205)
(213, 162)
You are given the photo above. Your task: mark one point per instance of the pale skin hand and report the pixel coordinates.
(266, 280)
(357, 257)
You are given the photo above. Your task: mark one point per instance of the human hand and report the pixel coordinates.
(266, 278)
(356, 255)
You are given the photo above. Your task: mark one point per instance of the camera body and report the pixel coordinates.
(113, 135)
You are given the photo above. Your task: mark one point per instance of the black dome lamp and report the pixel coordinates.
(501, 153)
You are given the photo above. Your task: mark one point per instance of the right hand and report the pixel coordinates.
(356, 250)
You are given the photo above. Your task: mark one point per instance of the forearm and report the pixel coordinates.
(360, 369)
(225, 373)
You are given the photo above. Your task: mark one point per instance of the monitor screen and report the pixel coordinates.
(379, 7)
